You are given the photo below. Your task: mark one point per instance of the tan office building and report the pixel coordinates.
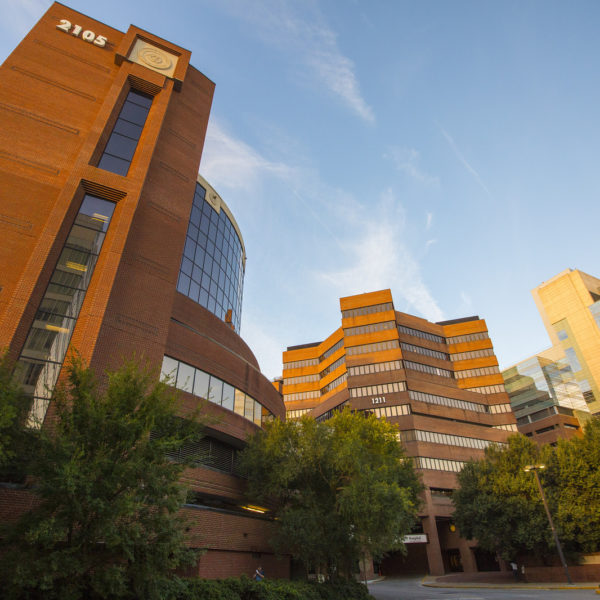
(569, 304)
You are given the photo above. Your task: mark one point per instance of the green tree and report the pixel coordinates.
(340, 489)
(573, 489)
(16, 441)
(498, 503)
(106, 524)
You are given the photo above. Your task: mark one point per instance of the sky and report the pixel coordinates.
(448, 151)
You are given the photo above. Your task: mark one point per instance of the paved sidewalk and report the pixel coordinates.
(450, 581)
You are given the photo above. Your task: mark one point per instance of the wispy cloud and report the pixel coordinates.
(429, 221)
(379, 259)
(465, 162)
(229, 163)
(315, 44)
(337, 72)
(407, 160)
(366, 250)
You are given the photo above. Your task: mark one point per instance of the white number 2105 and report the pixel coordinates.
(87, 35)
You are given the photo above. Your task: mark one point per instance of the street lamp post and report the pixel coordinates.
(535, 469)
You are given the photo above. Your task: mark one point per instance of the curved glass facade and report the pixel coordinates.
(212, 265)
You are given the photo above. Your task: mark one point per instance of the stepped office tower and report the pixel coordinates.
(112, 245)
(439, 382)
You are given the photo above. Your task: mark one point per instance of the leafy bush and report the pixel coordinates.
(243, 588)
(208, 589)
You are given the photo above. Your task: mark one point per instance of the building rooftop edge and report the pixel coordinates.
(301, 346)
(454, 321)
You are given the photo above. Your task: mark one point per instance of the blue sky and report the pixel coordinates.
(446, 150)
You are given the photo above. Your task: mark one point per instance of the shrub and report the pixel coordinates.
(208, 589)
(244, 588)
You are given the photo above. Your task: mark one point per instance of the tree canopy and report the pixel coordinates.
(340, 489)
(106, 524)
(15, 440)
(499, 504)
(573, 482)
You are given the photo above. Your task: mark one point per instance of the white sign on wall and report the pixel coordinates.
(85, 34)
(415, 538)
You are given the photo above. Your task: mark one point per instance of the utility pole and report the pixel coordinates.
(535, 469)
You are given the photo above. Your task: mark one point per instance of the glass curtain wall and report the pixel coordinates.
(212, 266)
(48, 339)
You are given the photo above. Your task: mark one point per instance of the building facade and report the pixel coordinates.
(439, 382)
(569, 304)
(114, 246)
(546, 398)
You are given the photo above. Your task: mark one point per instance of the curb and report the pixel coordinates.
(502, 586)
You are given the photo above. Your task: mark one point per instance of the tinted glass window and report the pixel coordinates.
(213, 259)
(126, 133)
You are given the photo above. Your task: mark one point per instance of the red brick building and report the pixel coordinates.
(114, 246)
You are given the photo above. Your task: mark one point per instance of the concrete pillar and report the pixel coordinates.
(467, 557)
(434, 552)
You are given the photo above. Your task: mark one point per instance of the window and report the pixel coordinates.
(296, 414)
(445, 401)
(300, 379)
(369, 328)
(472, 354)
(378, 389)
(211, 388)
(301, 396)
(380, 412)
(391, 365)
(433, 437)
(333, 366)
(338, 381)
(212, 265)
(489, 389)
(438, 464)
(421, 334)
(441, 492)
(477, 372)
(48, 339)
(367, 310)
(332, 350)
(427, 369)
(423, 351)
(572, 359)
(376, 347)
(469, 337)
(595, 310)
(126, 133)
(509, 427)
(309, 362)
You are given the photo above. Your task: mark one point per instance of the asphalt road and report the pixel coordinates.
(412, 589)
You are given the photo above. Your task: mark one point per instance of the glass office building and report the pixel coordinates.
(539, 389)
